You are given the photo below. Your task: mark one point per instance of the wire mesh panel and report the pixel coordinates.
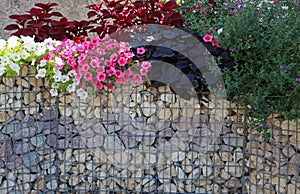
(137, 139)
(274, 165)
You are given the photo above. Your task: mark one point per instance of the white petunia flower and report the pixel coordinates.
(72, 73)
(41, 73)
(53, 92)
(2, 70)
(40, 49)
(220, 31)
(16, 57)
(42, 63)
(2, 43)
(13, 41)
(54, 85)
(24, 54)
(71, 88)
(82, 94)
(14, 67)
(65, 78)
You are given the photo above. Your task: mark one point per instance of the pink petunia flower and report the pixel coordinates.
(88, 76)
(81, 57)
(137, 78)
(101, 77)
(143, 71)
(85, 67)
(77, 76)
(95, 62)
(215, 43)
(146, 64)
(122, 61)
(118, 73)
(110, 87)
(100, 69)
(99, 85)
(141, 50)
(208, 38)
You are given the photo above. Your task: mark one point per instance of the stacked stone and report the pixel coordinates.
(137, 139)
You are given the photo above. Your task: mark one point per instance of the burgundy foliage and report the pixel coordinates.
(125, 13)
(42, 22)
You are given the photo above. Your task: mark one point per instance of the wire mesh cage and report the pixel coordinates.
(137, 139)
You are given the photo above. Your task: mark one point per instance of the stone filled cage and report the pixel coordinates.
(137, 139)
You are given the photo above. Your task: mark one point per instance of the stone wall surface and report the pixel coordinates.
(72, 9)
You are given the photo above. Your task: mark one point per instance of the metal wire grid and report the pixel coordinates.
(62, 150)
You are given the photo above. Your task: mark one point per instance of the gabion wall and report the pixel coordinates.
(137, 139)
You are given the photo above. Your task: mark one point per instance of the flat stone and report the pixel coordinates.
(233, 183)
(112, 142)
(110, 128)
(168, 97)
(148, 108)
(49, 115)
(52, 184)
(6, 148)
(13, 162)
(166, 133)
(30, 159)
(124, 119)
(129, 139)
(233, 140)
(12, 127)
(233, 169)
(77, 142)
(95, 141)
(74, 180)
(24, 133)
(22, 147)
(3, 117)
(28, 178)
(177, 156)
(164, 113)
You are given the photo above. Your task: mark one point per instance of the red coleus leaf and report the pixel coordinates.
(44, 16)
(35, 11)
(170, 5)
(138, 4)
(26, 32)
(57, 14)
(21, 17)
(91, 14)
(12, 27)
(46, 6)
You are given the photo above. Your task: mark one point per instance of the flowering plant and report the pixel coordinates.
(75, 65)
(263, 40)
(15, 52)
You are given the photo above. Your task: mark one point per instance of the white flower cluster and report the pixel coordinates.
(17, 51)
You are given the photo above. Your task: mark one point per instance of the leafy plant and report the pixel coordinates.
(42, 22)
(109, 16)
(263, 40)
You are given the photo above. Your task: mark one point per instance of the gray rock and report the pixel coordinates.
(77, 142)
(166, 133)
(22, 147)
(6, 148)
(24, 133)
(233, 140)
(30, 159)
(38, 141)
(49, 115)
(12, 127)
(95, 141)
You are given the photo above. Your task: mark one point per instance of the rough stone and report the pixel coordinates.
(148, 108)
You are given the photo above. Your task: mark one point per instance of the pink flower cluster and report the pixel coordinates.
(209, 38)
(96, 62)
